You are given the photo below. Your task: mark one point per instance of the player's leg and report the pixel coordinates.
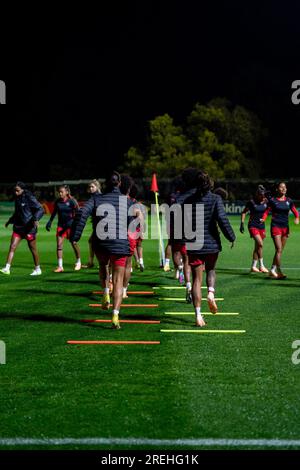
(118, 271)
(279, 272)
(90, 263)
(255, 256)
(104, 278)
(178, 263)
(76, 249)
(259, 245)
(139, 248)
(59, 252)
(168, 255)
(33, 248)
(187, 276)
(127, 275)
(277, 257)
(14, 243)
(91, 253)
(197, 271)
(210, 268)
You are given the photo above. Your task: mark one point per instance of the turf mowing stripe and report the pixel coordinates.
(99, 441)
(174, 287)
(180, 299)
(202, 313)
(143, 322)
(133, 292)
(128, 305)
(112, 342)
(204, 331)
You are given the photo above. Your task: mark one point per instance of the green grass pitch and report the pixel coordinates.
(189, 387)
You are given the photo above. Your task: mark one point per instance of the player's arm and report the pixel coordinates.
(52, 217)
(223, 221)
(10, 220)
(295, 212)
(243, 217)
(36, 209)
(81, 218)
(265, 214)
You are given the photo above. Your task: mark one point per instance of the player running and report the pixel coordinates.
(206, 254)
(110, 212)
(93, 188)
(257, 208)
(25, 220)
(65, 208)
(280, 207)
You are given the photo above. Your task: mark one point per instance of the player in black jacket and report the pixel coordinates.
(66, 208)
(203, 251)
(25, 220)
(111, 219)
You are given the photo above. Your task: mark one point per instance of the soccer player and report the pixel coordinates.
(93, 188)
(110, 238)
(178, 188)
(65, 208)
(138, 250)
(207, 252)
(280, 207)
(257, 208)
(25, 220)
(178, 245)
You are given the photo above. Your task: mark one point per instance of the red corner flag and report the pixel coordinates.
(154, 186)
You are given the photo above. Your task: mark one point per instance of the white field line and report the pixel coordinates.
(97, 441)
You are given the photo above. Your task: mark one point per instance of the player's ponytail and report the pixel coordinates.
(203, 182)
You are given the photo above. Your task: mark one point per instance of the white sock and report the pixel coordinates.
(60, 262)
(189, 285)
(7, 266)
(37, 267)
(180, 267)
(254, 263)
(78, 261)
(273, 267)
(141, 261)
(106, 290)
(115, 312)
(198, 313)
(124, 290)
(167, 262)
(261, 262)
(211, 292)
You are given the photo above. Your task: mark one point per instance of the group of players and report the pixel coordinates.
(114, 254)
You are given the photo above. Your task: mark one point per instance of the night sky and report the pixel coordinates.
(81, 84)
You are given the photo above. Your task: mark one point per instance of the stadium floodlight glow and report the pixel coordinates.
(2, 92)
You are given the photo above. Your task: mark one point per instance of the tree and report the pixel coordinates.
(217, 137)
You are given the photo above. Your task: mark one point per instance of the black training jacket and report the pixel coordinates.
(27, 211)
(214, 217)
(119, 219)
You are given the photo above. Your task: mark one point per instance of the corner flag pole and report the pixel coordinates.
(154, 188)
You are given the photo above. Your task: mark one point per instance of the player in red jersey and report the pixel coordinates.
(280, 208)
(257, 208)
(65, 207)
